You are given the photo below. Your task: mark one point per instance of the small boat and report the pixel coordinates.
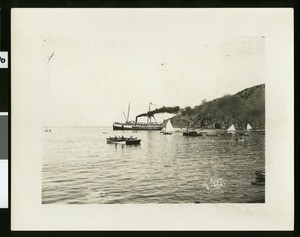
(123, 140)
(260, 178)
(241, 139)
(231, 129)
(258, 182)
(192, 134)
(238, 139)
(246, 132)
(168, 129)
(249, 128)
(260, 174)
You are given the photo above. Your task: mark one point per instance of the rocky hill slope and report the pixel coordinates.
(246, 106)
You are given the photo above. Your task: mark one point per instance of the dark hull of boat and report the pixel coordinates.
(133, 142)
(137, 127)
(192, 134)
(258, 182)
(167, 133)
(260, 175)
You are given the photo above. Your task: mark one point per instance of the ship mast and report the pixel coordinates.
(149, 118)
(128, 112)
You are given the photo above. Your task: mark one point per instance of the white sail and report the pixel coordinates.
(169, 127)
(249, 127)
(231, 128)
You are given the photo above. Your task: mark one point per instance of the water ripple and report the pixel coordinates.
(80, 168)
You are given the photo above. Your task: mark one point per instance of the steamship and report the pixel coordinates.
(135, 125)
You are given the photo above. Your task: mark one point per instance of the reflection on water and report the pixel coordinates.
(79, 167)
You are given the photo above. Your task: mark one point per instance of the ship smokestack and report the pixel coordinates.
(164, 109)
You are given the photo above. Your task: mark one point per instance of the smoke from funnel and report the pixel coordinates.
(164, 109)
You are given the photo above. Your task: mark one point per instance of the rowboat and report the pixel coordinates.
(193, 134)
(260, 178)
(260, 174)
(123, 140)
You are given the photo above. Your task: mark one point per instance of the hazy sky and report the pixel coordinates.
(105, 58)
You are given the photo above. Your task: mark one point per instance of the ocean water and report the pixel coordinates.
(79, 167)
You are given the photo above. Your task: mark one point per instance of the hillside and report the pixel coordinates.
(246, 106)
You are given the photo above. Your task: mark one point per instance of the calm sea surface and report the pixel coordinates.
(80, 167)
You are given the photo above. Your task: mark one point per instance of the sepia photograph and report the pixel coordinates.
(151, 114)
(145, 106)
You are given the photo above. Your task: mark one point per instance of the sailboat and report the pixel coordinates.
(231, 129)
(249, 128)
(168, 129)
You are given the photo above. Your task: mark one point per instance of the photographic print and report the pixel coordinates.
(146, 108)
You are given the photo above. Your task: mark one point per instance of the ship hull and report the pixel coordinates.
(137, 127)
(192, 134)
